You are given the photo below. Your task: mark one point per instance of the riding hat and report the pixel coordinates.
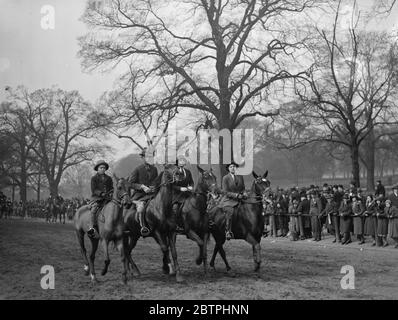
(181, 157)
(234, 163)
(99, 163)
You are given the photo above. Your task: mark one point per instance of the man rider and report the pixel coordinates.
(181, 189)
(101, 187)
(142, 181)
(233, 187)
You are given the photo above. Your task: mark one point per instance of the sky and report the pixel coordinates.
(39, 58)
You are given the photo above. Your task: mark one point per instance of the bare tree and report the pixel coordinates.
(60, 122)
(350, 89)
(20, 156)
(220, 57)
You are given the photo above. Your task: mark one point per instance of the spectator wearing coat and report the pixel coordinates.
(357, 211)
(331, 213)
(315, 212)
(370, 226)
(393, 216)
(382, 223)
(345, 212)
(303, 211)
(294, 225)
(380, 190)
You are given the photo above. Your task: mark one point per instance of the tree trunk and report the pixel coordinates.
(355, 164)
(53, 188)
(38, 187)
(23, 185)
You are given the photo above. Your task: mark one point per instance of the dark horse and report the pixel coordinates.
(160, 221)
(194, 213)
(110, 225)
(247, 222)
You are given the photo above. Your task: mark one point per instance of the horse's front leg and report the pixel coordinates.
(105, 245)
(94, 247)
(121, 247)
(256, 251)
(173, 250)
(164, 246)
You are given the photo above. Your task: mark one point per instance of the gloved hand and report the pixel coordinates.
(184, 189)
(145, 188)
(103, 194)
(240, 196)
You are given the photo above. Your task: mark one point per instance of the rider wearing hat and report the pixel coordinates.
(143, 181)
(181, 188)
(101, 187)
(233, 187)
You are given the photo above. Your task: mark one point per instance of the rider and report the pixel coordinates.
(142, 181)
(181, 188)
(233, 187)
(101, 187)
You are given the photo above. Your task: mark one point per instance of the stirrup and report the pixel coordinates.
(145, 231)
(229, 235)
(180, 230)
(92, 233)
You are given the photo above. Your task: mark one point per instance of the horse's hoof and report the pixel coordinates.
(198, 261)
(257, 267)
(229, 268)
(180, 279)
(86, 270)
(93, 279)
(124, 279)
(103, 272)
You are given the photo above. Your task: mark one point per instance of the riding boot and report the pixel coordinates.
(228, 217)
(177, 219)
(92, 231)
(144, 230)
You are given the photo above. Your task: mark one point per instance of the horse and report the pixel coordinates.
(110, 226)
(160, 221)
(247, 222)
(62, 212)
(194, 214)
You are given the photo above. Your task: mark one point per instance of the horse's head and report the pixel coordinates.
(261, 184)
(122, 190)
(207, 180)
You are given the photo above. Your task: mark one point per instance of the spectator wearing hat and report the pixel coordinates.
(382, 223)
(345, 212)
(331, 212)
(101, 187)
(143, 180)
(282, 208)
(357, 211)
(380, 190)
(293, 221)
(303, 211)
(394, 196)
(269, 213)
(393, 223)
(315, 212)
(233, 187)
(370, 218)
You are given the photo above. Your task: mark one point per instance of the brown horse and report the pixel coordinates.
(160, 221)
(110, 226)
(247, 222)
(194, 213)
